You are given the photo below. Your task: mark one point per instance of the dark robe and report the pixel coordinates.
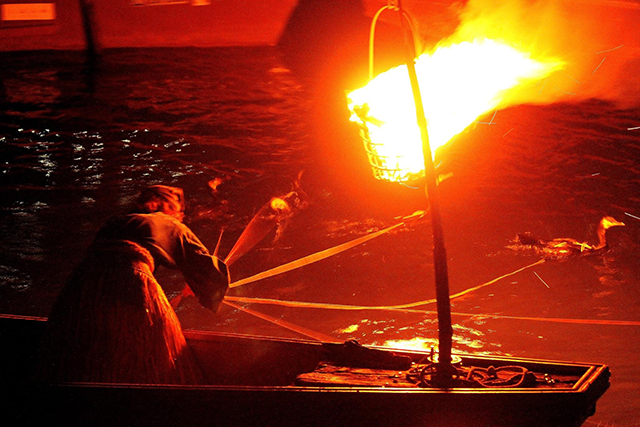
(113, 323)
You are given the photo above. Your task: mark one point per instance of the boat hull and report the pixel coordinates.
(142, 23)
(254, 377)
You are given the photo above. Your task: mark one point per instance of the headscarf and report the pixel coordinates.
(163, 192)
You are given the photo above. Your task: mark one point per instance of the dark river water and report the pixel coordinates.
(77, 143)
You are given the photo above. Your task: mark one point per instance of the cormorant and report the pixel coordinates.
(564, 247)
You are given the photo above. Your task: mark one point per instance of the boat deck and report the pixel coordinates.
(328, 375)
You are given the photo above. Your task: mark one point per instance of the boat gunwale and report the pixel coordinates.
(592, 371)
(317, 389)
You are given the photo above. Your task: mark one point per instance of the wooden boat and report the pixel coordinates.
(47, 25)
(256, 380)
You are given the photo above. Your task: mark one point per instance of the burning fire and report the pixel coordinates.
(459, 83)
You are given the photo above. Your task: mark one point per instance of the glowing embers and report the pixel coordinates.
(458, 84)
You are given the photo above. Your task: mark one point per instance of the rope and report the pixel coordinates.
(318, 305)
(408, 308)
(559, 320)
(488, 377)
(328, 306)
(541, 261)
(299, 304)
(332, 251)
(438, 375)
(283, 323)
(318, 256)
(230, 301)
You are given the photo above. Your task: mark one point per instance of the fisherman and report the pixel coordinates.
(112, 321)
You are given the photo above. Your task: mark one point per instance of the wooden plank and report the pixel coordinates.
(329, 375)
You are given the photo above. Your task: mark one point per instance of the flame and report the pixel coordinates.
(459, 83)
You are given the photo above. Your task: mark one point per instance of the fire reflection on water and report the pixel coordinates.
(423, 336)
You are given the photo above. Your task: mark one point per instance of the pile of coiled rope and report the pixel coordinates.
(503, 376)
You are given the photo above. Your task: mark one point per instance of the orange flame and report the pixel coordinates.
(459, 83)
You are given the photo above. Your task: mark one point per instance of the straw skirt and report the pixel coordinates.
(113, 323)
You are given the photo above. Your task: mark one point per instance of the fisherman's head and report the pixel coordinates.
(162, 198)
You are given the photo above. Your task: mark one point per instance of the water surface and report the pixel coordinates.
(77, 144)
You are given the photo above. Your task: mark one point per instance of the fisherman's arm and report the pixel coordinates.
(206, 275)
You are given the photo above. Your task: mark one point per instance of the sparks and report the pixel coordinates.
(610, 50)
(545, 283)
(632, 216)
(594, 71)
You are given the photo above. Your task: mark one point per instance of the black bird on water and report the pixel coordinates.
(565, 247)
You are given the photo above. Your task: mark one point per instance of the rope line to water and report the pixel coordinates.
(459, 294)
(359, 307)
(557, 320)
(319, 336)
(299, 304)
(408, 308)
(318, 256)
